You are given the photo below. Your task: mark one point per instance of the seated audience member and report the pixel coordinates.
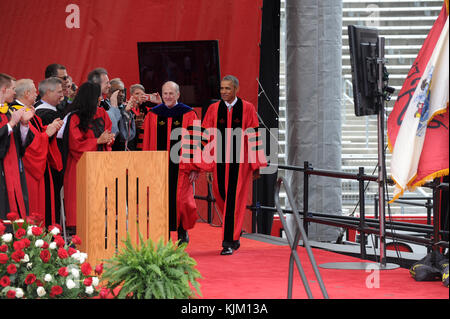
(84, 130)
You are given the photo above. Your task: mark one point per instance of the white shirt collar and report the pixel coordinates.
(19, 102)
(230, 105)
(45, 105)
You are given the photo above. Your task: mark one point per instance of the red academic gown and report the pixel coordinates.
(78, 143)
(158, 125)
(40, 155)
(232, 177)
(12, 166)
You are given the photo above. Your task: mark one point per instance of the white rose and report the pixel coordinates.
(76, 255)
(52, 245)
(30, 231)
(48, 278)
(19, 293)
(95, 281)
(7, 237)
(89, 290)
(70, 284)
(55, 231)
(41, 291)
(75, 272)
(25, 259)
(29, 265)
(39, 243)
(83, 257)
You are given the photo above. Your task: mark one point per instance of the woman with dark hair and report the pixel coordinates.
(87, 128)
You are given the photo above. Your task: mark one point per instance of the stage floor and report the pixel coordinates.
(259, 270)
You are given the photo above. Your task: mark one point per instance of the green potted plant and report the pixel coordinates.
(149, 271)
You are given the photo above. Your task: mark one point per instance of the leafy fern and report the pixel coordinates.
(161, 271)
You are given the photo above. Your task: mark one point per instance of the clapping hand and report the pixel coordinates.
(16, 116)
(113, 98)
(27, 115)
(106, 138)
(54, 127)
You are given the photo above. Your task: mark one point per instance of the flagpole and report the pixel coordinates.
(381, 154)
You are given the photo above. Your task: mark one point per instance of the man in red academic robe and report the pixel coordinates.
(176, 119)
(14, 137)
(41, 154)
(232, 156)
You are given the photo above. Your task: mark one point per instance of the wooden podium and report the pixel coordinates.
(120, 193)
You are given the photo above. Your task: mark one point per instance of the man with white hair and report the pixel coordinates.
(40, 153)
(160, 134)
(51, 93)
(14, 138)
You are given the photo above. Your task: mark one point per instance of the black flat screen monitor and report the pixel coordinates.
(193, 65)
(363, 44)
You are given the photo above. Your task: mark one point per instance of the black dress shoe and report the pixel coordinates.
(227, 251)
(183, 236)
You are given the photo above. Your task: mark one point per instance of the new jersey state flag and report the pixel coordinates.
(417, 127)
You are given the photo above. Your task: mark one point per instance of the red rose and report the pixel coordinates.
(39, 283)
(35, 219)
(45, 255)
(55, 291)
(4, 281)
(4, 248)
(45, 245)
(12, 216)
(104, 292)
(99, 269)
(18, 245)
(20, 233)
(59, 241)
(11, 269)
(3, 258)
(26, 242)
(76, 240)
(88, 281)
(11, 294)
(17, 255)
(30, 279)
(71, 251)
(37, 231)
(86, 268)
(63, 272)
(62, 253)
(2, 228)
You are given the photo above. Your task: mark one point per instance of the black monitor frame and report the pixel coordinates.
(364, 47)
(199, 84)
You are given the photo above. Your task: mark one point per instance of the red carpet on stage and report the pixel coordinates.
(259, 270)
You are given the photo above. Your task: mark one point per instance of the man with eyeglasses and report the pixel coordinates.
(56, 70)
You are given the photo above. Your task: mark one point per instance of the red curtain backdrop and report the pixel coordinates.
(35, 33)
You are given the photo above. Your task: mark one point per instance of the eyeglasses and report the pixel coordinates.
(64, 78)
